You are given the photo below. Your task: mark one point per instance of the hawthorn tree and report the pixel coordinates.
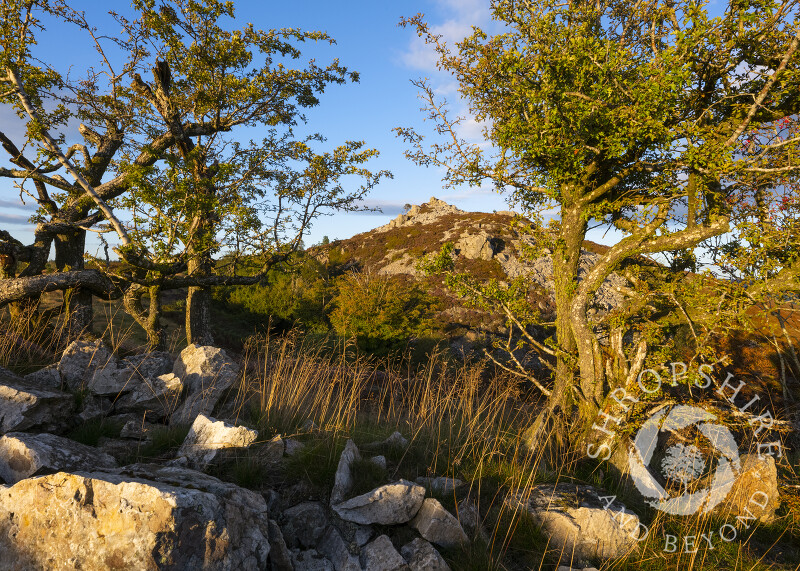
(174, 145)
(635, 116)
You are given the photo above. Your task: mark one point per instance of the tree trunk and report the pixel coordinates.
(149, 320)
(78, 301)
(198, 303)
(553, 426)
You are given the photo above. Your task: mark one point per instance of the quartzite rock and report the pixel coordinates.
(81, 359)
(25, 455)
(155, 397)
(380, 555)
(580, 522)
(438, 525)
(422, 556)
(343, 480)
(206, 373)
(47, 378)
(23, 406)
(150, 365)
(142, 517)
(387, 505)
(208, 436)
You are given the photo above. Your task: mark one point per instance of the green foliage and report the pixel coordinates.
(382, 312)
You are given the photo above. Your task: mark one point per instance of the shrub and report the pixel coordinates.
(382, 312)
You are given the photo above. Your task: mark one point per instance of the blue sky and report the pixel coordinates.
(369, 41)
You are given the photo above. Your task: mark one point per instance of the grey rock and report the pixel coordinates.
(138, 430)
(279, 557)
(438, 525)
(440, 485)
(578, 521)
(25, 455)
(310, 560)
(396, 440)
(304, 524)
(81, 359)
(386, 505)
(112, 380)
(422, 556)
(154, 397)
(293, 446)
(343, 480)
(23, 407)
(140, 517)
(207, 372)
(332, 546)
(120, 449)
(95, 407)
(476, 247)
(47, 378)
(470, 519)
(753, 491)
(379, 461)
(380, 555)
(150, 365)
(271, 451)
(208, 436)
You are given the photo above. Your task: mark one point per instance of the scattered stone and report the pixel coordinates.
(754, 492)
(304, 524)
(379, 461)
(470, 519)
(579, 522)
(95, 407)
(120, 449)
(310, 560)
(343, 480)
(440, 485)
(332, 546)
(309, 426)
(47, 378)
(23, 407)
(386, 505)
(422, 556)
(141, 517)
(81, 359)
(438, 525)
(150, 365)
(138, 430)
(279, 557)
(206, 373)
(208, 436)
(293, 446)
(112, 380)
(155, 397)
(380, 555)
(362, 534)
(476, 247)
(25, 455)
(271, 452)
(396, 440)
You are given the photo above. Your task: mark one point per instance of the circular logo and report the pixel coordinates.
(684, 464)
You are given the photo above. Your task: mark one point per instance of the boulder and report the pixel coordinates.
(754, 494)
(208, 436)
(150, 365)
(81, 359)
(24, 455)
(293, 447)
(142, 517)
(380, 555)
(469, 517)
(332, 546)
(379, 461)
(580, 521)
(47, 378)
(279, 557)
(154, 397)
(396, 440)
(112, 380)
(476, 247)
(440, 485)
(206, 373)
(437, 525)
(343, 480)
(422, 556)
(386, 505)
(304, 524)
(137, 430)
(23, 406)
(310, 560)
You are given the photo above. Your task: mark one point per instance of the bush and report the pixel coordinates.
(381, 312)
